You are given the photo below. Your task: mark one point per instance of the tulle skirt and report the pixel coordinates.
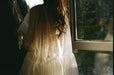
(59, 66)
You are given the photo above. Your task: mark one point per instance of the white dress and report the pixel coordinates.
(62, 62)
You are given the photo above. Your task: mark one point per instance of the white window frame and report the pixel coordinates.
(86, 44)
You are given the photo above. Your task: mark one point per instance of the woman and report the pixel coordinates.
(47, 38)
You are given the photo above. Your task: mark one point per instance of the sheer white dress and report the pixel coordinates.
(42, 61)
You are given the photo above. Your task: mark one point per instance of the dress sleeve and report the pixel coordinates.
(22, 30)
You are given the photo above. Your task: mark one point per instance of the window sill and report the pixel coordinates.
(93, 45)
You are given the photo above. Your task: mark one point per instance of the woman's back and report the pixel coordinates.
(51, 54)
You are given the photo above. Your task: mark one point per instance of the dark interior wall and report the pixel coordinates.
(11, 57)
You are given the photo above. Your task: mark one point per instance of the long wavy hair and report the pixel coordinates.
(58, 7)
(38, 20)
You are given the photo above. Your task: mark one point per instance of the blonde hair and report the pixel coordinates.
(41, 24)
(40, 28)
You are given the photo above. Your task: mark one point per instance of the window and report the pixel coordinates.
(92, 35)
(32, 3)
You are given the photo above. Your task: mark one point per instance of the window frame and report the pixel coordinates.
(85, 44)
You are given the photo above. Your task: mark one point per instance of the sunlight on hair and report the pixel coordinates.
(32, 3)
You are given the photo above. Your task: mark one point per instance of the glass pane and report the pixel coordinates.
(94, 19)
(32, 3)
(94, 63)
